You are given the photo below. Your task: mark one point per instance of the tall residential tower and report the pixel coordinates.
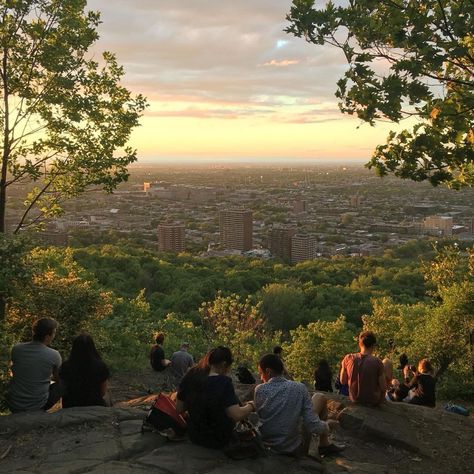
(236, 229)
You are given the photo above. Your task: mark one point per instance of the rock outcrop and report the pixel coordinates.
(395, 438)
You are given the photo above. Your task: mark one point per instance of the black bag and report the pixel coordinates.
(162, 416)
(246, 443)
(244, 375)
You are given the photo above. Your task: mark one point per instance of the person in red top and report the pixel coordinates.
(364, 373)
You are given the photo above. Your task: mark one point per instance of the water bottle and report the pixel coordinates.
(459, 409)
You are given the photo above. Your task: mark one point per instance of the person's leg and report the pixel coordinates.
(320, 407)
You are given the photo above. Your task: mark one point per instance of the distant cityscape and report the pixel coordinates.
(294, 214)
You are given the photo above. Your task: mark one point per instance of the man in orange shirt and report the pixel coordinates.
(364, 373)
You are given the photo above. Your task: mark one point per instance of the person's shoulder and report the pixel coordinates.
(299, 386)
(20, 346)
(49, 350)
(375, 360)
(350, 356)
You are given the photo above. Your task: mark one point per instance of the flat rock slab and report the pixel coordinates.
(186, 458)
(394, 438)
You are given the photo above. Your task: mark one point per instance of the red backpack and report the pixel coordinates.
(163, 415)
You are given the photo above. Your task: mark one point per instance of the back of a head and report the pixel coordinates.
(277, 350)
(272, 362)
(83, 350)
(220, 355)
(42, 328)
(367, 339)
(425, 366)
(323, 368)
(159, 338)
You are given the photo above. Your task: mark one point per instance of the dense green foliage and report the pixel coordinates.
(411, 58)
(318, 289)
(315, 309)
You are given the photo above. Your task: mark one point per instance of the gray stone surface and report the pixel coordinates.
(395, 438)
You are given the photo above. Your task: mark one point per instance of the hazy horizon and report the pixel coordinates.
(225, 82)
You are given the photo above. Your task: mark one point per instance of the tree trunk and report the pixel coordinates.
(3, 202)
(6, 142)
(3, 309)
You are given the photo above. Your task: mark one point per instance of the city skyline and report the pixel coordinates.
(225, 83)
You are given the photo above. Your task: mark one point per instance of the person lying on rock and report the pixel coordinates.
(364, 373)
(282, 405)
(34, 366)
(84, 375)
(207, 394)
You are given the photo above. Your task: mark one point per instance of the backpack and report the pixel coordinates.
(246, 442)
(163, 415)
(244, 375)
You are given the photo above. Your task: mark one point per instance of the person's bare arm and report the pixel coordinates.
(55, 374)
(103, 388)
(238, 413)
(343, 374)
(382, 382)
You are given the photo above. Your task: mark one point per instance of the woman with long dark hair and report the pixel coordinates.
(84, 375)
(207, 394)
(323, 377)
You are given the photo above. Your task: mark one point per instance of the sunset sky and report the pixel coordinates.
(225, 82)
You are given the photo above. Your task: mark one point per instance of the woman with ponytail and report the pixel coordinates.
(207, 394)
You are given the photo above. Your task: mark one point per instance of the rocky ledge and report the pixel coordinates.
(395, 438)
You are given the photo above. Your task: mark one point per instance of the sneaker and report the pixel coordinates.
(330, 449)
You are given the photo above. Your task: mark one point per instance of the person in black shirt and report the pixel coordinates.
(84, 375)
(207, 394)
(423, 385)
(323, 377)
(157, 355)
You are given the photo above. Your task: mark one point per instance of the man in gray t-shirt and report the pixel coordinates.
(181, 361)
(34, 364)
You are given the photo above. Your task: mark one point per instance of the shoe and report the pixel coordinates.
(330, 449)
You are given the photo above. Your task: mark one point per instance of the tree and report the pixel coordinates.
(283, 306)
(65, 119)
(407, 58)
(319, 340)
(239, 325)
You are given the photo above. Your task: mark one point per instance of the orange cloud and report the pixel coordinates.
(282, 63)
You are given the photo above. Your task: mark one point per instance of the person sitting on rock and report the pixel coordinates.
(207, 394)
(181, 361)
(84, 375)
(282, 405)
(157, 355)
(364, 373)
(422, 383)
(34, 366)
(323, 377)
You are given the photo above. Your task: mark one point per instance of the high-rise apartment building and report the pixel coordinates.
(171, 237)
(355, 201)
(303, 247)
(236, 229)
(442, 225)
(280, 242)
(300, 206)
